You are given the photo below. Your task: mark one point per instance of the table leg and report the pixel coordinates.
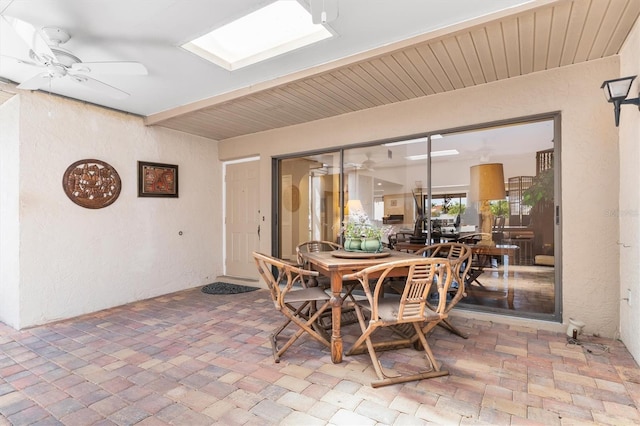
(505, 260)
(336, 312)
(510, 290)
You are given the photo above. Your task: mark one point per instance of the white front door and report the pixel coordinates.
(242, 214)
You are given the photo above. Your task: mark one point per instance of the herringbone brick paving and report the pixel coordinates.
(191, 358)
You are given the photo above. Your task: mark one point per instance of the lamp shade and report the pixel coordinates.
(487, 182)
(354, 207)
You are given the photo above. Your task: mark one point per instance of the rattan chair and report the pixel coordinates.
(301, 306)
(459, 256)
(314, 246)
(348, 315)
(407, 315)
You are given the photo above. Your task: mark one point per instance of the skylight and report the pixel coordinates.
(275, 29)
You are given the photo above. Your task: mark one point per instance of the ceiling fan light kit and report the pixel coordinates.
(45, 52)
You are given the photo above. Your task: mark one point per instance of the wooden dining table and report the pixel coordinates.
(335, 264)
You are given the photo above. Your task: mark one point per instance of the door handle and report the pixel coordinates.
(258, 232)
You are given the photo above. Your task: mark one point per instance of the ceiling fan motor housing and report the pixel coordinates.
(64, 57)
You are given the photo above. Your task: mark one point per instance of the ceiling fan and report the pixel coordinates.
(43, 48)
(366, 165)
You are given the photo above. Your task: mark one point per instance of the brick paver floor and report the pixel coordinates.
(191, 358)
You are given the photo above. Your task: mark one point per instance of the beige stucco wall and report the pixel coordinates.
(74, 260)
(629, 211)
(589, 167)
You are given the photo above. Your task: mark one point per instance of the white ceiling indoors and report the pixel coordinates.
(384, 51)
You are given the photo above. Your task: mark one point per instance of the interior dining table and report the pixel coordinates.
(335, 264)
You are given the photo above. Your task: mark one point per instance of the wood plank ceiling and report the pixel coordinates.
(558, 34)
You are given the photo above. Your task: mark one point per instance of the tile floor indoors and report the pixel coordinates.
(191, 358)
(531, 289)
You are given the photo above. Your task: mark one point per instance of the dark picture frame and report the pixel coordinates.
(157, 180)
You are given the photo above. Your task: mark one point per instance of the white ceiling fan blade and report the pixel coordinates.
(11, 41)
(99, 86)
(31, 36)
(35, 82)
(123, 68)
(20, 61)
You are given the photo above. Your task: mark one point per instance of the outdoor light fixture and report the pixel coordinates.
(616, 92)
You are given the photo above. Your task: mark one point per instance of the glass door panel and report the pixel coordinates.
(385, 184)
(309, 200)
(522, 222)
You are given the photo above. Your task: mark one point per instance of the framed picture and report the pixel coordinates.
(157, 180)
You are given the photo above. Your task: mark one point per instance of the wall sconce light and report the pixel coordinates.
(616, 92)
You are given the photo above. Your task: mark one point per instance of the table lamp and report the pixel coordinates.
(487, 184)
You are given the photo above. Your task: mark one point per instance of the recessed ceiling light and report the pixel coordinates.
(443, 153)
(275, 29)
(410, 141)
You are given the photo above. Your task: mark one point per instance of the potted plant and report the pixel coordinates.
(541, 189)
(353, 230)
(361, 235)
(352, 237)
(372, 239)
(539, 196)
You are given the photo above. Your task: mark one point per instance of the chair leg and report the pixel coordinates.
(434, 370)
(294, 316)
(308, 326)
(452, 328)
(426, 348)
(409, 378)
(366, 339)
(384, 378)
(473, 275)
(274, 340)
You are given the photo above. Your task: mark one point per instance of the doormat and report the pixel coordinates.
(226, 288)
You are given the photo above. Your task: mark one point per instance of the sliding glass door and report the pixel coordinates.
(421, 187)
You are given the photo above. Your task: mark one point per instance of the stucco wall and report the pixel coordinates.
(75, 260)
(629, 211)
(589, 166)
(9, 181)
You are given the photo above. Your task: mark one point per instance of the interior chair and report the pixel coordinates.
(497, 230)
(400, 237)
(389, 316)
(301, 306)
(478, 261)
(459, 257)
